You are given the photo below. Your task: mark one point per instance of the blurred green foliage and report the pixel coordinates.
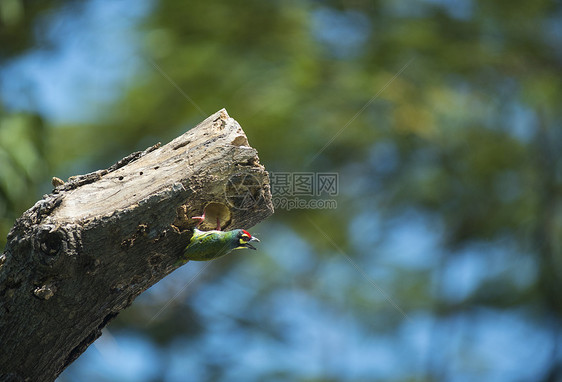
(463, 148)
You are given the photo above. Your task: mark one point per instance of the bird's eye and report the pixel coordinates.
(245, 237)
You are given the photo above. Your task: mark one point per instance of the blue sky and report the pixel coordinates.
(96, 53)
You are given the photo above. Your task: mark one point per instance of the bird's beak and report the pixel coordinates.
(248, 245)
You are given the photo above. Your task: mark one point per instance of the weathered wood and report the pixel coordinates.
(84, 252)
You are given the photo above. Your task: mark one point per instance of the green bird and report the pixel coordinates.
(209, 245)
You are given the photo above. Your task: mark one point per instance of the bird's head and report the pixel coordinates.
(243, 239)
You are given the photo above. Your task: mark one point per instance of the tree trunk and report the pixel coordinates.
(84, 252)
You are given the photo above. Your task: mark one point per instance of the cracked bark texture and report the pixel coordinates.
(84, 252)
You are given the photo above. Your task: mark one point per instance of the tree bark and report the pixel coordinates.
(84, 252)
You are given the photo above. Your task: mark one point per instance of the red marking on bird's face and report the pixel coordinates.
(247, 233)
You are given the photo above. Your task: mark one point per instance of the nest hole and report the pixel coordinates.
(216, 212)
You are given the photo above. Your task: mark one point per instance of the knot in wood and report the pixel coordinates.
(45, 292)
(48, 242)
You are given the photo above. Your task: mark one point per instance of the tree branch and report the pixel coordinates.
(83, 253)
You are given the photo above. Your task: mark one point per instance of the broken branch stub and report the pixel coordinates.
(83, 253)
